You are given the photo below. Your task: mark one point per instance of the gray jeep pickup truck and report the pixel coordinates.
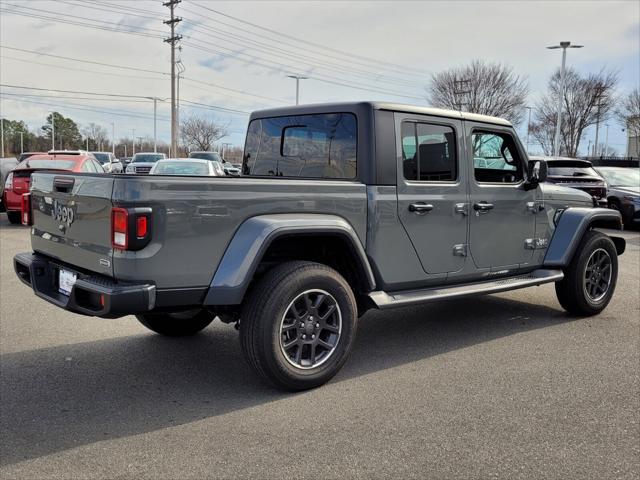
(340, 208)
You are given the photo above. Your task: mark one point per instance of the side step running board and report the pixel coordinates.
(537, 277)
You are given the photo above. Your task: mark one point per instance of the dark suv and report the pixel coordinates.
(576, 173)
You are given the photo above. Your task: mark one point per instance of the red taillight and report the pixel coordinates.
(141, 227)
(25, 209)
(119, 228)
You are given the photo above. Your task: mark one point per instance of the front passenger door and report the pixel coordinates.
(502, 220)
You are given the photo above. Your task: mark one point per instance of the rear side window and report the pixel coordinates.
(308, 146)
(428, 152)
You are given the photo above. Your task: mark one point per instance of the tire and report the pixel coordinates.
(14, 217)
(179, 324)
(284, 299)
(575, 292)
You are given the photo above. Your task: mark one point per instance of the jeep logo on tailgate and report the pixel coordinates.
(62, 213)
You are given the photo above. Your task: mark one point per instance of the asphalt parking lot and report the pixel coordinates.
(503, 386)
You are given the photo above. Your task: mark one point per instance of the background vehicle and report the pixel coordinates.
(576, 173)
(109, 162)
(229, 169)
(142, 162)
(340, 208)
(623, 192)
(6, 165)
(125, 161)
(18, 181)
(187, 166)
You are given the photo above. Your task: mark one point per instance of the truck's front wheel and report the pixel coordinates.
(298, 325)
(179, 324)
(590, 279)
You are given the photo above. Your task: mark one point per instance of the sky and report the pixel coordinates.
(237, 54)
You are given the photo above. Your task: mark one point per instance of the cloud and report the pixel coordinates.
(218, 63)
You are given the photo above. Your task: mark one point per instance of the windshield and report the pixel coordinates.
(206, 156)
(101, 157)
(622, 178)
(147, 157)
(59, 164)
(571, 169)
(181, 168)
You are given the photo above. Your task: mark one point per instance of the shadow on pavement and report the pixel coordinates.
(67, 396)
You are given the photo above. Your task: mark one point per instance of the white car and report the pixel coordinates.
(109, 162)
(188, 167)
(142, 162)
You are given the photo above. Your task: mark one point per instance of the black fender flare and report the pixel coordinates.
(252, 239)
(570, 228)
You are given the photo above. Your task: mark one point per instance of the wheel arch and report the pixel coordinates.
(571, 227)
(265, 240)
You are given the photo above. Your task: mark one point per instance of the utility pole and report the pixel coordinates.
(125, 149)
(133, 141)
(606, 141)
(172, 40)
(2, 134)
(181, 70)
(298, 78)
(21, 143)
(563, 46)
(599, 95)
(140, 140)
(53, 131)
(528, 128)
(113, 138)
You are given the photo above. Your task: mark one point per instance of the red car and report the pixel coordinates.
(19, 179)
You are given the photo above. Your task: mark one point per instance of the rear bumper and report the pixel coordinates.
(92, 295)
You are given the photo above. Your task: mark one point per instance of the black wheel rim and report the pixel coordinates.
(310, 329)
(597, 275)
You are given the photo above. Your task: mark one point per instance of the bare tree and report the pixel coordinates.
(199, 133)
(586, 100)
(480, 87)
(96, 134)
(628, 114)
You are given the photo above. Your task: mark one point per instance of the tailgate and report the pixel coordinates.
(72, 219)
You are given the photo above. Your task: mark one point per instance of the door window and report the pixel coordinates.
(496, 158)
(428, 152)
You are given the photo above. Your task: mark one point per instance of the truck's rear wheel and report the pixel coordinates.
(590, 279)
(298, 325)
(177, 324)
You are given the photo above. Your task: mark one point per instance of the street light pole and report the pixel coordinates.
(21, 142)
(2, 135)
(113, 138)
(133, 141)
(297, 79)
(606, 140)
(53, 131)
(563, 46)
(528, 129)
(155, 125)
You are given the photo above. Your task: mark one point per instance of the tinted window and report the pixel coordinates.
(101, 157)
(181, 168)
(496, 158)
(428, 152)
(570, 169)
(147, 157)
(315, 146)
(206, 156)
(61, 164)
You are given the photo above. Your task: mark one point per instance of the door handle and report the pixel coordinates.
(420, 208)
(482, 207)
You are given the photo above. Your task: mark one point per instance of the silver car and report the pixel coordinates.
(109, 162)
(187, 166)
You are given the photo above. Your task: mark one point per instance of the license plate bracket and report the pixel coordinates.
(66, 281)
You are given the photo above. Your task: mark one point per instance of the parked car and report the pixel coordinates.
(187, 166)
(229, 169)
(25, 155)
(341, 208)
(576, 173)
(6, 165)
(18, 181)
(142, 162)
(109, 162)
(623, 192)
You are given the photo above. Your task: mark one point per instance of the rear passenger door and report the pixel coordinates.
(502, 220)
(432, 190)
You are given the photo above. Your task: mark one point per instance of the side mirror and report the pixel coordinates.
(537, 173)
